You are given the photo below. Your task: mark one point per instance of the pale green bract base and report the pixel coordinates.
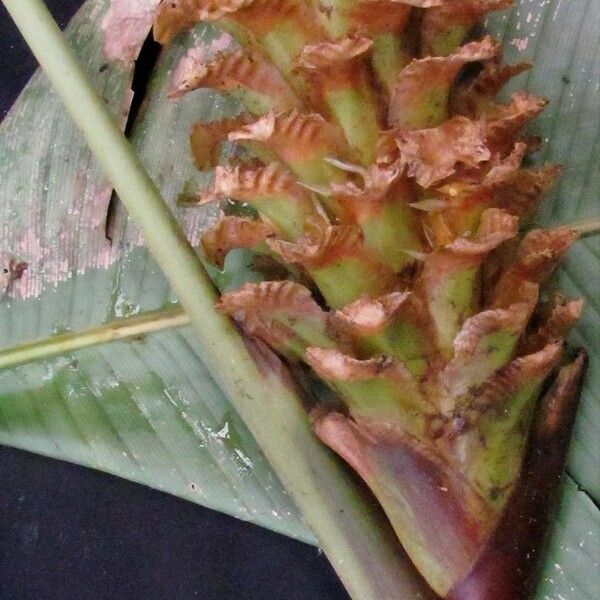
(148, 410)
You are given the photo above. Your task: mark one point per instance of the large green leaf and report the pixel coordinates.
(148, 410)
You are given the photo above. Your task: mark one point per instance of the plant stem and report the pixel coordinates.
(358, 543)
(583, 228)
(588, 227)
(67, 342)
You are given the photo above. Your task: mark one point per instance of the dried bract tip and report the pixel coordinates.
(496, 227)
(333, 365)
(539, 253)
(420, 97)
(474, 98)
(558, 319)
(233, 72)
(361, 202)
(486, 342)
(268, 296)
(532, 368)
(329, 54)
(368, 317)
(505, 121)
(294, 136)
(176, 16)
(248, 183)
(432, 155)
(234, 232)
(281, 313)
(334, 242)
(206, 139)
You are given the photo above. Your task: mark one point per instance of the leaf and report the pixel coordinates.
(133, 410)
(571, 563)
(148, 410)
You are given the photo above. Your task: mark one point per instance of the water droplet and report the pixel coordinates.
(123, 308)
(224, 432)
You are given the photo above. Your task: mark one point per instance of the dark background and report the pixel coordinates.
(72, 533)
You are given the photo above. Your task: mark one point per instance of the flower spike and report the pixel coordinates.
(420, 299)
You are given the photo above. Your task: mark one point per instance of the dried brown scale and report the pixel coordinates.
(435, 357)
(368, 316)
(505, 121)
(234, 70)
(241, 183)
(432, 155)
(206, 139)
(328, 54)
(561, 318)
(234, 232)
(470, 99)
(492, 394)
(432, 74)
(293, 134)
(446, 26)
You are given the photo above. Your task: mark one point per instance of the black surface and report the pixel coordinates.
(72, 533)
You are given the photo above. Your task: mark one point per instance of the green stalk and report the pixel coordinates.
(584, 228)
(359, 546)
(65, 343)
(355, 111)
(390, 55)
